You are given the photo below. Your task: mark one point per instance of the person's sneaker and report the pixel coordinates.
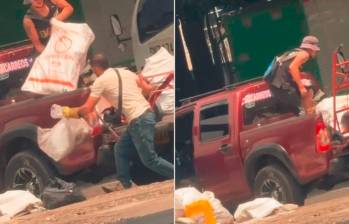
(117, 186)
(113, 186)
(129, 185)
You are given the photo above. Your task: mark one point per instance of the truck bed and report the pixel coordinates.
(164, 129)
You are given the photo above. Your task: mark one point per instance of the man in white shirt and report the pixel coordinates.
(139, 136)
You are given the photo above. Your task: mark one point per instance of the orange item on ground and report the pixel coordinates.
(200, 207)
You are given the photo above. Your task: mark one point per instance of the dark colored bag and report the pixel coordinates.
(114, 115)
(59, 193)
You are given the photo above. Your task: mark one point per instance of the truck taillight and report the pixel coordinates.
(323, 143)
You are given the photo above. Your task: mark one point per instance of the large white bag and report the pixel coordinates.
(258, 208)
(58, 67)
(62, 139)
(188, 195)
(156, 69)
(16, 201)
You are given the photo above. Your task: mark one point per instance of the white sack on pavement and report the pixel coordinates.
(156, 69)
(185, 196)
(16, 201)
(61, 140)
(258, 208)
(58, 67)
(188, 195)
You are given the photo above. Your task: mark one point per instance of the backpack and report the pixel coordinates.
(59, 193)
(271, 71)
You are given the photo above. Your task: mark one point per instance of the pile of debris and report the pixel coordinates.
(16, 203)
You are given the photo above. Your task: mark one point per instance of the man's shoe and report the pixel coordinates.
(117, 186)
(129, 185)
(114, 186)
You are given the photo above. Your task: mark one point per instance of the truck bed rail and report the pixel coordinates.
(227, 87)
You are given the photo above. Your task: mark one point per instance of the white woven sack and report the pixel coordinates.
(58, 67)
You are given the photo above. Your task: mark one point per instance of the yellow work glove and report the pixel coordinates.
(69, 112)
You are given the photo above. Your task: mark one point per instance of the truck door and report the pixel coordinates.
(217, 158)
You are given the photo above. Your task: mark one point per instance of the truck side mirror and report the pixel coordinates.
(118, 31)
(116, 25)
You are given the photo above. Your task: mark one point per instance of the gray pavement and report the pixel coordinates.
(163, 217)
(318, 195)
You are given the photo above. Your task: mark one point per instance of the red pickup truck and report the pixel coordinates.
(236, 143)
(23, 165)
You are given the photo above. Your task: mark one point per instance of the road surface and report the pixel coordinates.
(151, 203)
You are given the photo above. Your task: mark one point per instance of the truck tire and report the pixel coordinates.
(28, 170)
(275, 181)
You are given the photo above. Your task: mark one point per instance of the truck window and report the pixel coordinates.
(214, 121)
(260, 111)
(152, 17)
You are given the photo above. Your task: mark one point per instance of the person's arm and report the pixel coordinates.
(96, 92)
(294, 69)
(146, 87)
(65, 9)
(32, 33)
(88, 106)
(82, 111)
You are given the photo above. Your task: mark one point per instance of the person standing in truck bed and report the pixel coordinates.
(36, 21)
(287, 87)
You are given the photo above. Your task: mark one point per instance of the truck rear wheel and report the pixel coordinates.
(28, 170)
(275, 181)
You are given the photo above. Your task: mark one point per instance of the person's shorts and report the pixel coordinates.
(289, 99)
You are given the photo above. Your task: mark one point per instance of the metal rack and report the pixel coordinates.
(166, 84)
(340, 82)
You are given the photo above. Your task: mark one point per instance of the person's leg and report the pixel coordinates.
(307, 102)
(293, 99)
(122, 153)
(143, 132)
(287, 99)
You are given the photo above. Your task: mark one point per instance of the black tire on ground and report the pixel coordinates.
(28, 170)
(275, 181)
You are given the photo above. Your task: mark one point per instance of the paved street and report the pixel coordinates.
(151, 203)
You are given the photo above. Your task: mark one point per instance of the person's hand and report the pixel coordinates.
(69, 112)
